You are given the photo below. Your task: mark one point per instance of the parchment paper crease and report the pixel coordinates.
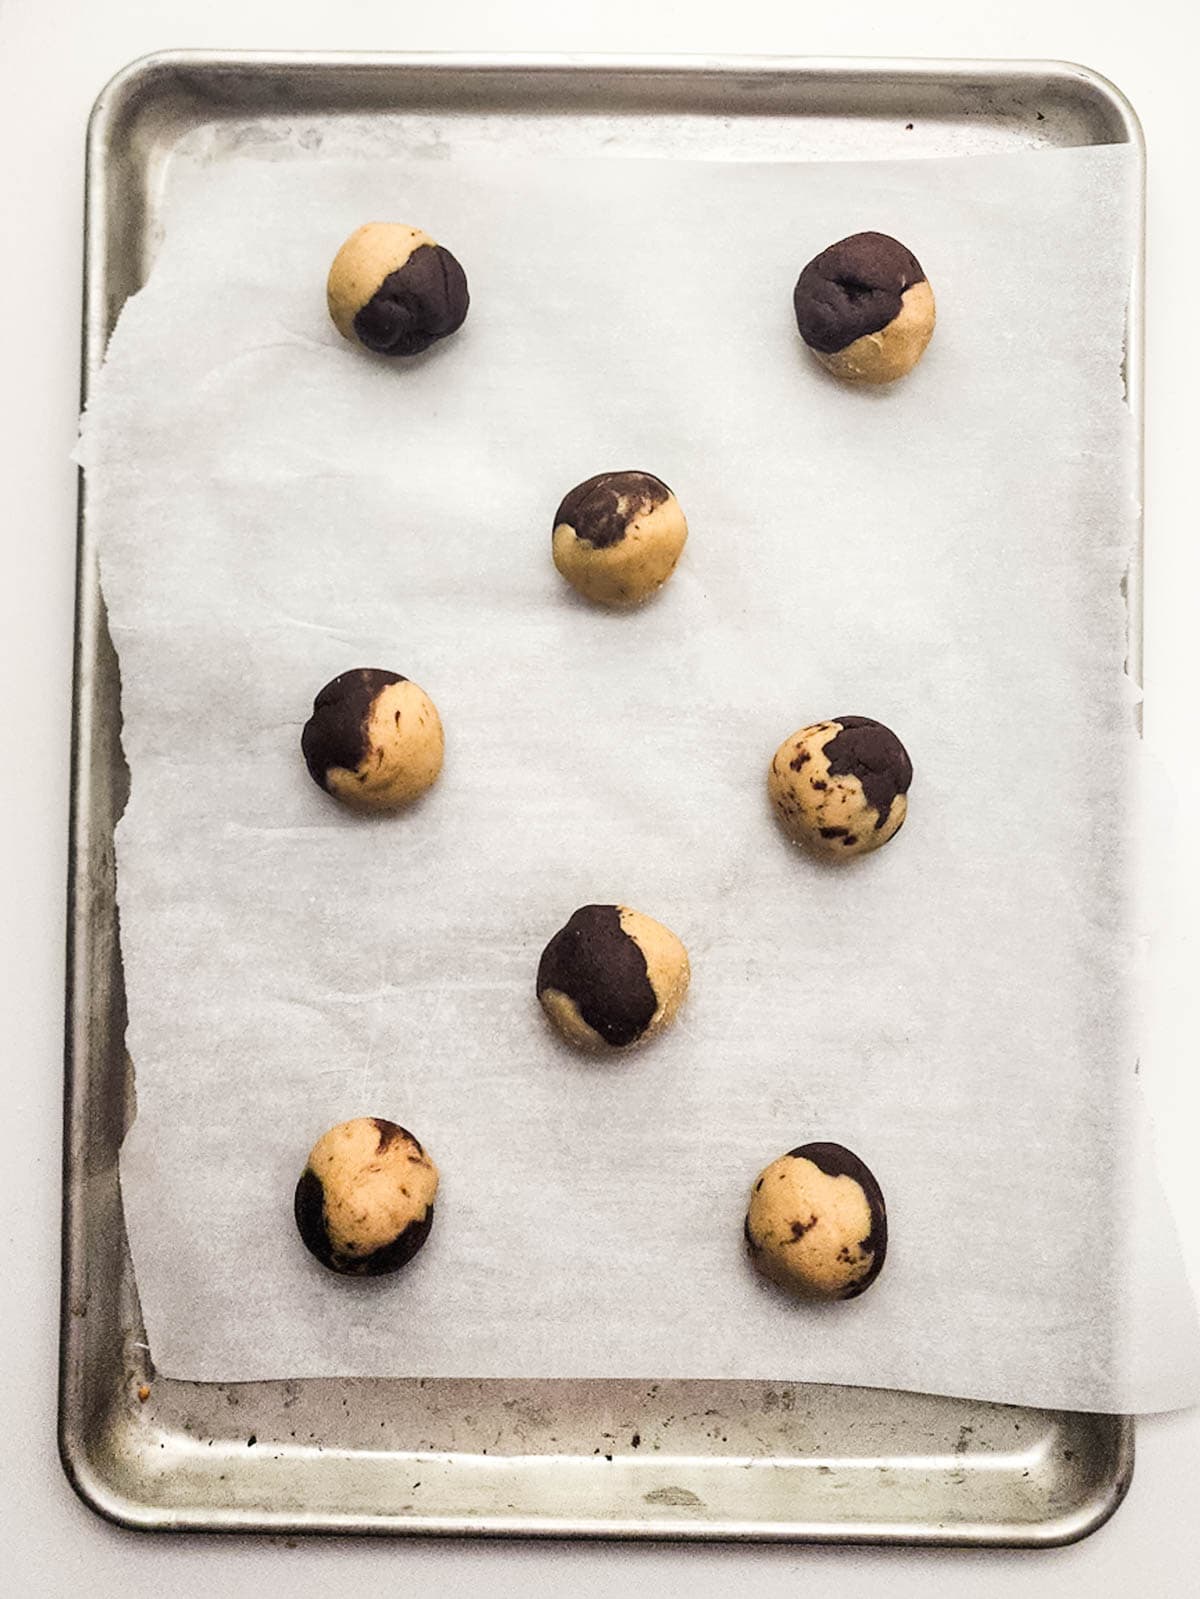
(946, 555)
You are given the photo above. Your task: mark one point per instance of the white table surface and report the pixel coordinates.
(54, 57)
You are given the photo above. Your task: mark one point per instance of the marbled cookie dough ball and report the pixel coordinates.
(394, 290)
(618, 536)
(816, 1223)
(865, 309)
(374, 740)
(841, 786)
(612, 977)
(364, 1202)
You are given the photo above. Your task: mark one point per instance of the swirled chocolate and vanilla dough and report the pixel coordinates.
(374, 740)
(865, 308)
(612, 977)
(841, 786)
(396, 291)
(618, 536)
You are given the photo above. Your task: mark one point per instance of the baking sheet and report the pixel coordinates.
(947, 557)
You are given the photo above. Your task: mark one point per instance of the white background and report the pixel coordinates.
(53, 60)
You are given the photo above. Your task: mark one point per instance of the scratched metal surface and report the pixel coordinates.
(679, 1460)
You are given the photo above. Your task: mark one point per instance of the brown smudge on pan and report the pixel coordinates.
(593, 508)
(595, 963)
(852, 289)
(335, 735)
(872, 753)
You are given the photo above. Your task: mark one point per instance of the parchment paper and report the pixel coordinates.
(947, 555)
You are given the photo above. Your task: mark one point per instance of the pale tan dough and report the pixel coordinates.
(630, 571)
(806, 1229)
(371, 1194)
(892, 352)
(667, 964)
(564, 1015)
(369, 255)
(811, 798)
(405, 750)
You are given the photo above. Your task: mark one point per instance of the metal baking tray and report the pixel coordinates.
(630, 1459)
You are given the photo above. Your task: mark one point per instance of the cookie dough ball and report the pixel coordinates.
(817, 1224)
(364, 1202)
(612, 977)
(618, 536)
(865, 309)
(394, 290)
(841, 786)
(374, 740)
